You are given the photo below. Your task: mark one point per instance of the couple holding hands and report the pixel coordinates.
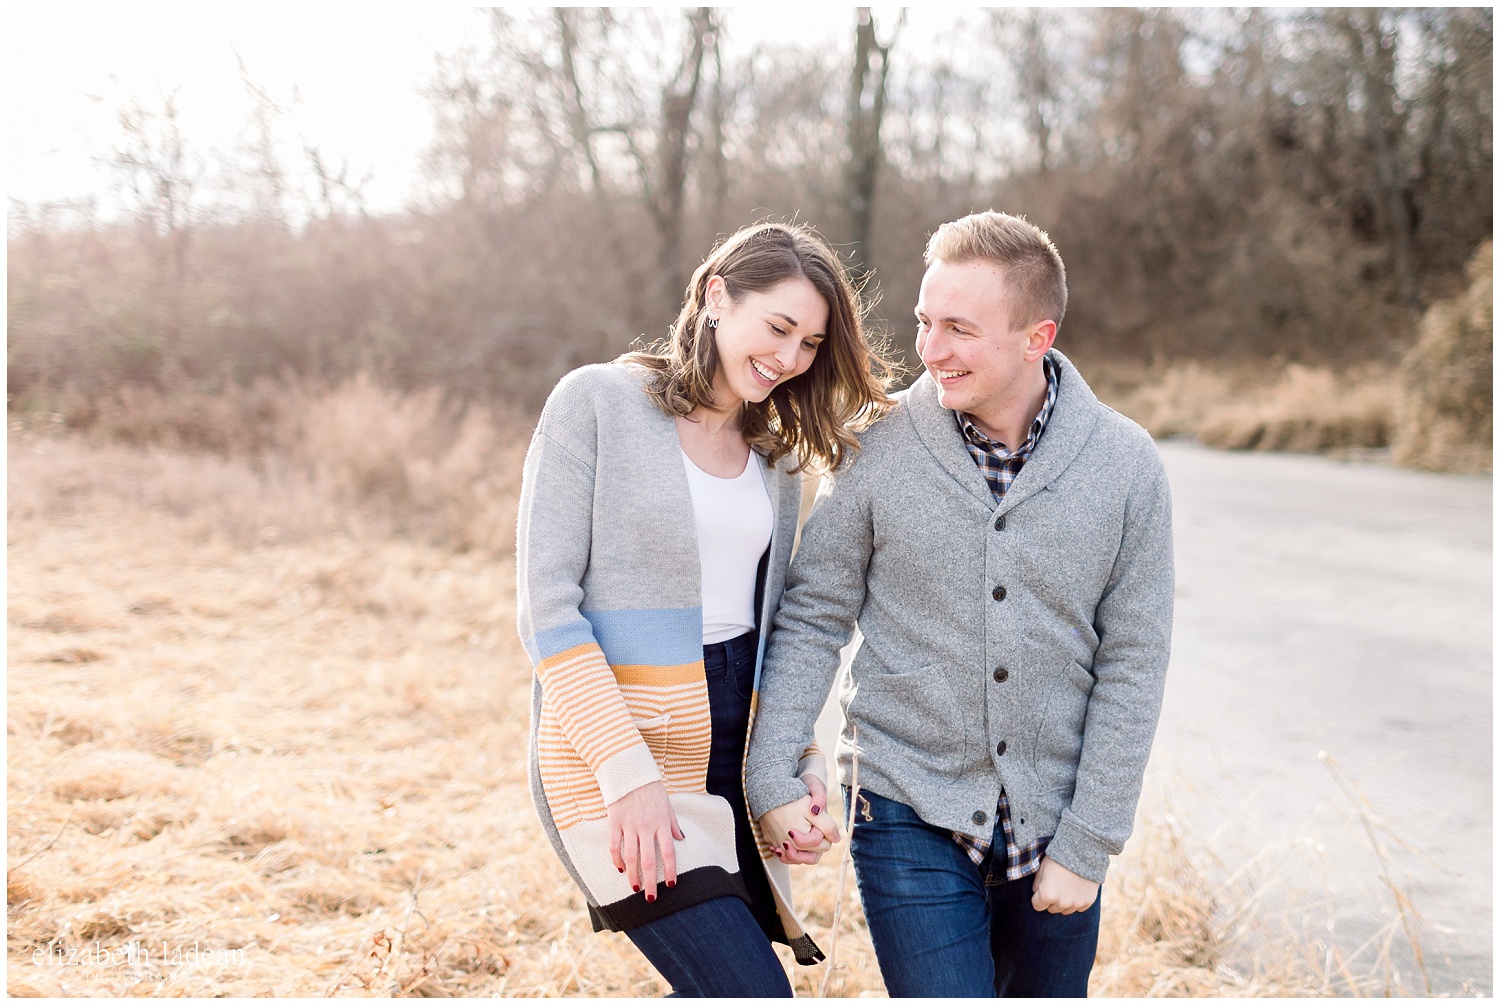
(1001, 539)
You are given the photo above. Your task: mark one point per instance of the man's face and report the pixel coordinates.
(965, 339)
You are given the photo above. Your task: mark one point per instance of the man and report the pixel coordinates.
(1003, 542)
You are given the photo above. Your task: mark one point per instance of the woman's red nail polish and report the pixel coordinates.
(671, 883)
(622, 870)
(817, 810)
(650, 898)
(635, 888)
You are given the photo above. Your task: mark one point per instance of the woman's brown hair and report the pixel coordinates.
(814, 415)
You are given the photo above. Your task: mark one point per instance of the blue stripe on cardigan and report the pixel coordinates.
(651, 636)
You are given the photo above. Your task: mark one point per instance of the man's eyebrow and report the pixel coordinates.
(952, 320)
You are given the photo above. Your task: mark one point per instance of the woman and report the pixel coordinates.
(658, 510)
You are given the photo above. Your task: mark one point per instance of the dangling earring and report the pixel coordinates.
(713, 322)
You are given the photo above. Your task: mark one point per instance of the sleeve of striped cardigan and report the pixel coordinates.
(554, 529)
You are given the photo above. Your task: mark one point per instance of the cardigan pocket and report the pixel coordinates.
(654, 730)
(909, 721)
(677, 730)
(1059, 737)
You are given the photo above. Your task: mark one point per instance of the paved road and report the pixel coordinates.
(1346, 608)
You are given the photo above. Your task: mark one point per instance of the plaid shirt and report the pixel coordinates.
(1000, 467)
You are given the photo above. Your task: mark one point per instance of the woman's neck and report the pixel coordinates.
(716, 422)
(713, 441)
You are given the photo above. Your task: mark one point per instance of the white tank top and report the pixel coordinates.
(733, 517)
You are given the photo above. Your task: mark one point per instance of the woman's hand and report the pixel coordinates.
(800, 832)
(641, 823)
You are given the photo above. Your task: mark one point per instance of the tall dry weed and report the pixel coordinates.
(1292, 407)
(287, 458)
(1308, 410)
(449, 471)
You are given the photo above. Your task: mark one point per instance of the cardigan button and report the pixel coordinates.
(998, 593)
(1000, 523)
(1001, 675)
(980, 817)
(1000, 749)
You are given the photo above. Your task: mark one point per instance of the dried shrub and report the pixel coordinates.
(449, 471)
(1293, 407)
(1307, 410)
(1447, 405)
(1168, 400)
(285, 460)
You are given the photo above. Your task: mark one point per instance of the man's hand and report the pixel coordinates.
(1058, 890)
(800, 832)
(641, 822)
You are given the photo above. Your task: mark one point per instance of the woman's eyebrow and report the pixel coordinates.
(793, 322)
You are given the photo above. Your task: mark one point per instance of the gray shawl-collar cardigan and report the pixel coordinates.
(1021, 645)
(609, 606)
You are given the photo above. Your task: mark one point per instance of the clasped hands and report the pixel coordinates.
(799, 832)
(643, 828)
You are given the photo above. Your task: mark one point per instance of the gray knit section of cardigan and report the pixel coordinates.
(1043, 623)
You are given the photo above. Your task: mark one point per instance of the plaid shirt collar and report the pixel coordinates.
(999, 465)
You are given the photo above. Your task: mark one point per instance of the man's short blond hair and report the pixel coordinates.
(1033, 268)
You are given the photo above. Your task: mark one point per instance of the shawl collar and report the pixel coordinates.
(1072, 422)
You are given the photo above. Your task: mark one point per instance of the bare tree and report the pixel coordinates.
(1372, 38)
(1222, 183)
(718, 162)
(578, 116)
(162, 175)
(153, 157)
(868, 80)
(1037, 72)
(264, 175)
(665, 188)
(337, 194)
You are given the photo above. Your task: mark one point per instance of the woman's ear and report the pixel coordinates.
(716, 294)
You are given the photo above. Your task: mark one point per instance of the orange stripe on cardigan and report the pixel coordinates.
(646, 675)
(584, 696)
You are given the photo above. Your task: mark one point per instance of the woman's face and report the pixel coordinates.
(765, 339)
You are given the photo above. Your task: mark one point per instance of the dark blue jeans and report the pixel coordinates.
(944, 927)
(721, 948)
(713, 949)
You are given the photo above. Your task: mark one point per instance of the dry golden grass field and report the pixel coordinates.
(267, 728)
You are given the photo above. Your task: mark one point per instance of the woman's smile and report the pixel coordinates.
(768, 374)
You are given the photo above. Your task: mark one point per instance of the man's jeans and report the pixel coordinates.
(946, 928)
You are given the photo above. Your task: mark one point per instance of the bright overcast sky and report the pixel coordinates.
(357, 74)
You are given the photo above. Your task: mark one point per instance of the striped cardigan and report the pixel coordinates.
(609, 606)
